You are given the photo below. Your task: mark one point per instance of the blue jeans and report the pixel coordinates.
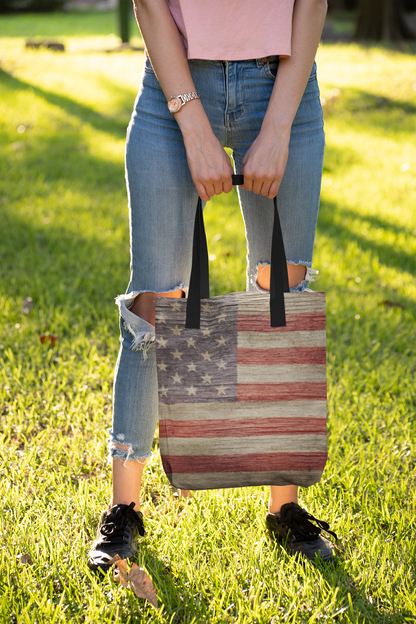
(162, 203)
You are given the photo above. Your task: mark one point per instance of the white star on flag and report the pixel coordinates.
(162, 366)
(191, 342)
(177, 378)
(221, 390)
(221, 341)
(206, 356)
(191, 390)
(177, 331)
(191, 367)
(222, 364)
(176, 355)
(162, 341)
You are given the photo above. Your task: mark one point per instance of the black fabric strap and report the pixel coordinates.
(199, 282)
(237, 179)
(279, 281)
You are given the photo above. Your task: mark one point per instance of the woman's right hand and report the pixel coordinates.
(209, 164)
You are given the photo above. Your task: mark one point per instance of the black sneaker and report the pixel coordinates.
(117, 534)
(293, 526)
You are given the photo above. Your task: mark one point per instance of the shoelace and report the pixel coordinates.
(300, 524)
(115, 524)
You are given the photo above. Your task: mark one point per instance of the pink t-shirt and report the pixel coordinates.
(234, 30)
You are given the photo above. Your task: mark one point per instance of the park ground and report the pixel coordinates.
(64, 243)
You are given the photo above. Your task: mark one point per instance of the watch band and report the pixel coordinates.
(187, 97)
(176, 102)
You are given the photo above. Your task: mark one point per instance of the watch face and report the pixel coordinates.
(174, 105)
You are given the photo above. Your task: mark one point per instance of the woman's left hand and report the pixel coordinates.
(265, 162)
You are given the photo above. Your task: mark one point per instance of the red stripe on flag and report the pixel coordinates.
(224, 428)
(293, 391)
(198, 464)
(294, 355)
(294, 322)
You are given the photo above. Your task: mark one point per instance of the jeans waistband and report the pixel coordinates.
(259, 62)
(267, 59)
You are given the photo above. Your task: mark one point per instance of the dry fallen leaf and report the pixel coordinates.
(121, 573)
(138, 580)
(24, 558)
(45, 338)
(142, 585)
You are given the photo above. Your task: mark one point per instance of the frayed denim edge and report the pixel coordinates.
(127, 454)
(143, 332)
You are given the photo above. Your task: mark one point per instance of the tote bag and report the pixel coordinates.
(242, 380)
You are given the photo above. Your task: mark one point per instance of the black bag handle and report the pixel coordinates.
(199, 282)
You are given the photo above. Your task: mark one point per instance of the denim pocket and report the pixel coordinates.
(270, 67)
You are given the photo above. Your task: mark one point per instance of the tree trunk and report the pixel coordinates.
(382, 19)
(336, 5)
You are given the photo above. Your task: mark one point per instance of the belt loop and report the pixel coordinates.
(260, 62)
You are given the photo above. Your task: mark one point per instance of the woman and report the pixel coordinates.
(217, 74)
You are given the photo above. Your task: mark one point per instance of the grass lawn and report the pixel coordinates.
(64, 242)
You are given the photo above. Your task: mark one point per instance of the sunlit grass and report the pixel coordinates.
(64, 242)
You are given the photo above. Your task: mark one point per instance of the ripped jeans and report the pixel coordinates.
(162, 202)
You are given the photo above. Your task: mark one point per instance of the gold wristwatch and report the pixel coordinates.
(176, 102)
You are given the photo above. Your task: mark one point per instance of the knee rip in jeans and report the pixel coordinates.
(301, 287)
(143, 332)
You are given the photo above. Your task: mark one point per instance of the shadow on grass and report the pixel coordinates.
(69, 241)
(61, 267)
(116, 127)
(390, 255)
(362, 605)
(388, 114)
(62, 152)
(340, 158)
(352, 601)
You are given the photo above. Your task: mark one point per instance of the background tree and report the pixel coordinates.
(341, 5)
(382, 19)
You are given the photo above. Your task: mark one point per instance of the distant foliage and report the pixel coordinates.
(29, 6)
(351, 5)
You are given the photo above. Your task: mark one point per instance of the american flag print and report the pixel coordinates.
(242, 403)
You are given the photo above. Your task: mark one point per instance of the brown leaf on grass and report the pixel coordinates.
(142, 585)
(137, 579)
(121, 572)
(45, 338)
(24, 558)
